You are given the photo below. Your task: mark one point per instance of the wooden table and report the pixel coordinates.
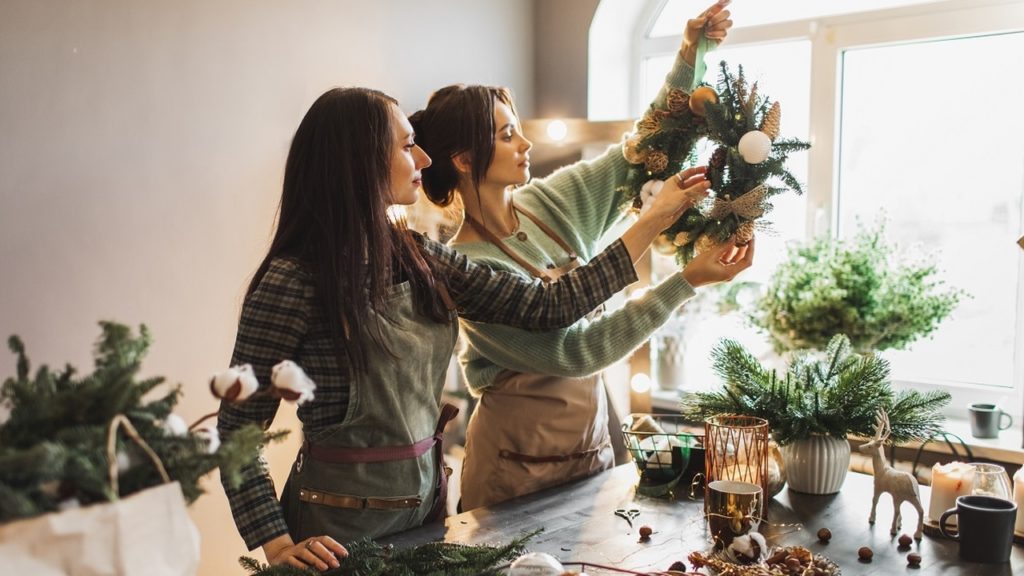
(580, 526)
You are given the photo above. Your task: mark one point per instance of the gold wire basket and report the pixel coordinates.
(664, 451)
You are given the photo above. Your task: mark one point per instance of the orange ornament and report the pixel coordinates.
(700, 97)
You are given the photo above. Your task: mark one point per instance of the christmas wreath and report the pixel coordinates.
(746, 169)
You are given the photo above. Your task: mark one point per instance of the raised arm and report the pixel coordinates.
(585, 193)
(591, 346)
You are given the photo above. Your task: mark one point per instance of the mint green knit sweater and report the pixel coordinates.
(580, 204)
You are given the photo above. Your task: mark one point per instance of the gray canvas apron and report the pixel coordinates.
(378, 471)
(533, 431)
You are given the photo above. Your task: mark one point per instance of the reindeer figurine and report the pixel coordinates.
(902, 486)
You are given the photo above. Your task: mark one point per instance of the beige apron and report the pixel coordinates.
(533, 431)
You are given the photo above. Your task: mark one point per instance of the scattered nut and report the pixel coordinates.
(645, 533)
(905, 541)
(865, 553)
(824, 535)
(914, 559)
(677, 566)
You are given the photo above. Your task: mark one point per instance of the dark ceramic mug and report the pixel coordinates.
(987, 420)
(985, 528)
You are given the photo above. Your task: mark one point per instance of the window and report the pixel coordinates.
(947, 165)
(910, 109)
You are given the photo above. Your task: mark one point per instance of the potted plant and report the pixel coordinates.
(860, 287)
(812, 409)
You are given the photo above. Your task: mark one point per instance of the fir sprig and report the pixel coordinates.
(368, 558)
(53, 445)
(836, 395)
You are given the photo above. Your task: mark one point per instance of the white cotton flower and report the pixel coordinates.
(292, 383)
(175, 425)
(648, 192)
(234, 384)
(209, 437)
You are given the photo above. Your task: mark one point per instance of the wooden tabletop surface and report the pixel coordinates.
(580, 526)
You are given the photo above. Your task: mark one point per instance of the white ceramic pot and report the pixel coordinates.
(817, 465)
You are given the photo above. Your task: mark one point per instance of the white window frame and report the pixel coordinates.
(829, 38)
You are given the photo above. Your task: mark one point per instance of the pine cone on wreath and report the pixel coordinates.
(745, 233)
(649, 124)
(656, 162)
(677, 100)
(631, 152)
(771, 123)
(718, 158)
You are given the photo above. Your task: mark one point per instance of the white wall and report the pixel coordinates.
(141, 152)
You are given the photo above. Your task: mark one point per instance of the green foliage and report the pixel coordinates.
(837, 395)
(739, 109)
(857, 287)
(53, 445)
(368, 558)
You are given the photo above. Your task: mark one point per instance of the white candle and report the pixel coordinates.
(1018, 497)
(948, 482)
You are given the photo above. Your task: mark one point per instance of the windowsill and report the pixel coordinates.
(1006, 448)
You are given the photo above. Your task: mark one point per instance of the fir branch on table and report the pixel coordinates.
(53, 444)
(837, 395)
(368, 558)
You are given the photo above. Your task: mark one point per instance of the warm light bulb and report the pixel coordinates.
(557, 130)
(640, 383)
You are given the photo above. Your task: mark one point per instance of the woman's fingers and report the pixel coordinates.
(333, 545)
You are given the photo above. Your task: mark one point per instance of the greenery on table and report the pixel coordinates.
(857, 287)
(368, 558)
(53, 450)
(834, 395)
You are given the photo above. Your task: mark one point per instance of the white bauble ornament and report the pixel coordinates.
(536, 564)
(754, 147)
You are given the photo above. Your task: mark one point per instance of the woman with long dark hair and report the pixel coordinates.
(368, 309)
(542, 416)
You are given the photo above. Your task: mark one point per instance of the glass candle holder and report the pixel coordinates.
(736, 449)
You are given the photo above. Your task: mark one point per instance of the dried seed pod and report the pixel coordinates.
(865, 553)
(824, 535)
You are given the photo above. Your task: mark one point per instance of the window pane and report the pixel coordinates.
(782, 72)
(676, 12)
(931, 133)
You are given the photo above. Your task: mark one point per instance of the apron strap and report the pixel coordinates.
(491, 237)
(392, 453)
(439, 511)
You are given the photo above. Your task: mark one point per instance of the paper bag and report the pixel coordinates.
(148, 533)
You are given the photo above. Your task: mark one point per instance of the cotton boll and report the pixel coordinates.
(234, 384)
(174, 425)
(291, 382)
(210, 438)
(536, 564)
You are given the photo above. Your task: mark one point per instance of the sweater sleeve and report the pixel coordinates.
(586, 193)
(273, 322)
(588, 346)
(504, 297)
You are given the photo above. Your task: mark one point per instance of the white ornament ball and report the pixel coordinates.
(536, 564)
(754, 147)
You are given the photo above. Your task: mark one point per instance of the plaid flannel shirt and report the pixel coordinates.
(280, 321)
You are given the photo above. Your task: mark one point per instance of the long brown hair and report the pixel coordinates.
(457, 119)
(333, 219)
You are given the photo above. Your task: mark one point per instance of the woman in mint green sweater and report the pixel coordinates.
(542, 415)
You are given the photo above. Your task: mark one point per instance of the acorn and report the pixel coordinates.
(914, 559)
(645, 533)
(865, 553)
(905, 541)
(824, 535)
